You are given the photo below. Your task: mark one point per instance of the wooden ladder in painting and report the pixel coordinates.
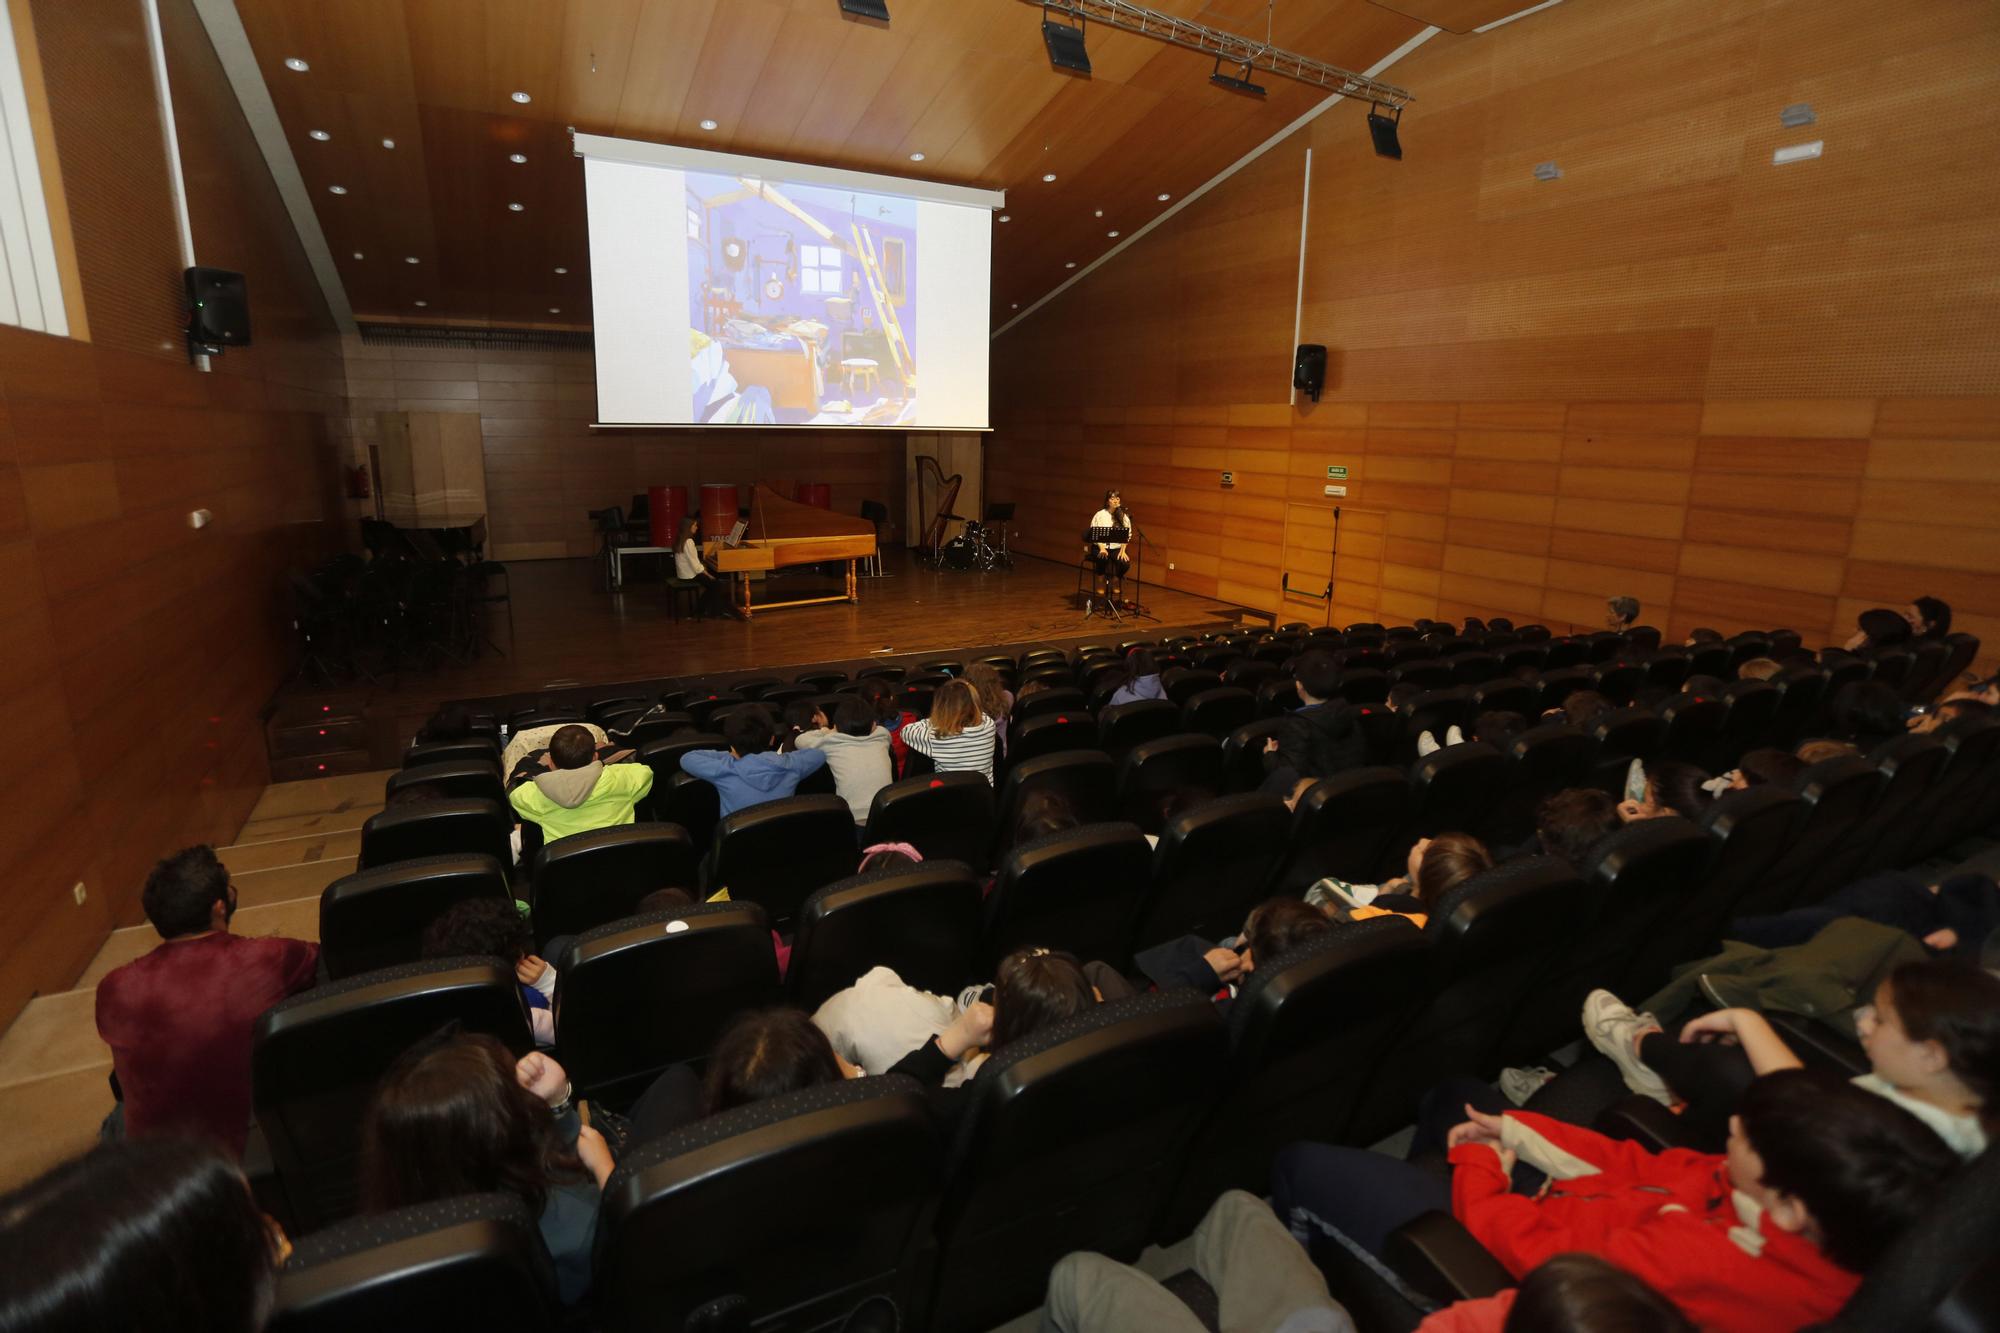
(885, 309)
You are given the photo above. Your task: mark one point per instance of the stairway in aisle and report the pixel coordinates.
(53, 1070)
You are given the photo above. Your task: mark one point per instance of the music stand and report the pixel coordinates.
(1002, 513)
(1105, 567)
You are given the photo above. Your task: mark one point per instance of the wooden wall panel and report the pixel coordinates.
(1743, 394)
(139, 652)
(546, 469)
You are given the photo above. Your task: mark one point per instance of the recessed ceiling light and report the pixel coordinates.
(1004, 217)
(1111, 233)
(388, 143)
(555, 310)
(410, 259)
(320, 135)
(358, 254)
(423, 303)
(1015, 306)
(708, 124)
(1098, 214)
(517, 158)
(1048, 176)
(522, 98)
(1165, 197)
(916, 157)
(1070, 264)
(515, 208)
(336, 189)
(296, 65)
(562, 270)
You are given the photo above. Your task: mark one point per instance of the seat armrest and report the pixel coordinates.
(1437, 1256)
(1820, 1045)
(1643, 1121)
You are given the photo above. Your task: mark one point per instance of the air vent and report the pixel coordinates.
(515, 340)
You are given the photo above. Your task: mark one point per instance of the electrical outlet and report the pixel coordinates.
(79, 893)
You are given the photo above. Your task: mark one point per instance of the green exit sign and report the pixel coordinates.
(1335, 472)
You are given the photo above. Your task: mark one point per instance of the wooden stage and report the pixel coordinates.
(570, 634)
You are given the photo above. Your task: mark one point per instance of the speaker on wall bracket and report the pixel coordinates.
(1309, 369)
(218, 311)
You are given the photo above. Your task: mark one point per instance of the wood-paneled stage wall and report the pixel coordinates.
(1744, 394)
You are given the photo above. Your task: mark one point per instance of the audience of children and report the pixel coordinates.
(751, 772)
(957, 736)
(1435, 867)
(856, 747)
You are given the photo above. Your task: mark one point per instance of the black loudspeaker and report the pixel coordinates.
(1382, 129)
(1309, 371)
(218, 310)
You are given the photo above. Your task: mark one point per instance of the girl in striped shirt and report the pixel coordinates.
(957, 736)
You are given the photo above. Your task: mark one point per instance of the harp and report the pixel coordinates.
(944, 491)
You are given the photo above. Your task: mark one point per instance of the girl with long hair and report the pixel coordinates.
(957, 735)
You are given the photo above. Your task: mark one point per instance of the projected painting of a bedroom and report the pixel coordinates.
(803, 308)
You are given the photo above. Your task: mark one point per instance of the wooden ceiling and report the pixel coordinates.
(965, 82)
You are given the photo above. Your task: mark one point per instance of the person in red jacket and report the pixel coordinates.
(1772, 1235)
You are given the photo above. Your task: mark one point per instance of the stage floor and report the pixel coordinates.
(570, 633)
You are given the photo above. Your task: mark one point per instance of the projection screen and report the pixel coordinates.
(735, 290)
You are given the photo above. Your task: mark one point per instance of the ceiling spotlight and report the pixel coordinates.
(336, 189)
(562, 270)
(1235, 83)
(1006, 217)
(515, 208)
(1098, 214)
(1065, 46)
(1015, 306)
(411, 259)
(1070, 264)
(555, 310)
(358, 254)
(423, 303)
(388, 143)
(1111, 234)
(521, 97)
(296, 65)
(1048, 177)
(916, 157)
(878, 10)
(708, 124)
(1164, 197)
(319, 136)
(1382, 129)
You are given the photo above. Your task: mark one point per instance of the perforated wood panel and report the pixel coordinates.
(1745, 395)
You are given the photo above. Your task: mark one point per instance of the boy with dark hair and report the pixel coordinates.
(179, 1020)
(1322, 737)
(1819, 1178)
(494, 928)
(1569, 823)
(856, 749)
(1274, 927)
(751, 772)
(576, 791)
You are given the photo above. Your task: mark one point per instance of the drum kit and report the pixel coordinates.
(982, 546)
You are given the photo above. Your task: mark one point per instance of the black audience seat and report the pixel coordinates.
(1364, 685)
(1838, 793)
(1184, 683)
(1154, 772)
(1213, 864)
(1122, 726)
(317, 1057)
(1752, 719)
(1085, 779)
(377, 918)
(1303, 1030)
(1488, 940)
(1055, 699)
(532, 719)
(1474, 668)
(1559, 684)
(451, 752)
(469, 825)
(1712, 659)
(1345, 826)
(1452, 790)
(692, 804)
(1748, 831)
(946, 816)
(1219, 711)
(920, 921)
(1971, 774)
(1542, 761)
(1243, 753)
(1667, 668)
(703, 707)
(1622, 736)
(1047, 733)
(1620, 681)
(820, 680)
(1694, 728)
(646, 992)
(1435, 711)
(473, 1261)
(803, 1206)
(776, 853)
(1079, 890)
(1071, 1139)
(1278, 696)
(582, 881)
(1425, 673)
(599, 709)
(1911, 767)
(1506, 696)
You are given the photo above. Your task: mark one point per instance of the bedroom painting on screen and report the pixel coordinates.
(803, 304)
(732, 291)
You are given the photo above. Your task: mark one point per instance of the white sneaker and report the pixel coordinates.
(1519, 1084)
(1426, 745)
(969, 996)
(1453, 736)
(1613, 1028)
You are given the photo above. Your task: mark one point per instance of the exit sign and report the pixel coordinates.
(1334, 472)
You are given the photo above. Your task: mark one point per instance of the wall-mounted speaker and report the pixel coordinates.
(218, 310)
(1382, 129)
(1309, 370)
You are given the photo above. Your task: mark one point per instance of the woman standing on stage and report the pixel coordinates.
(1112, 521)
(688, 564)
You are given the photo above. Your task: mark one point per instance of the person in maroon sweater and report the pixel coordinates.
(179, 1020)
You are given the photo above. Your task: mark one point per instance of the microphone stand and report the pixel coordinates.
(1139, 611)
(1332, 559)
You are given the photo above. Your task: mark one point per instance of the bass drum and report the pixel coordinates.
(958, 553)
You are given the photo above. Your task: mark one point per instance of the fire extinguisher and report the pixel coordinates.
(357, 482)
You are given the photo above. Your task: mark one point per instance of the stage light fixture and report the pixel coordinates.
(1235, 83)
(1382, 129)
(877, 10)
(1065, 46)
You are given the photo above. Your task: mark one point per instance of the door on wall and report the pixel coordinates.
(1317, 587)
